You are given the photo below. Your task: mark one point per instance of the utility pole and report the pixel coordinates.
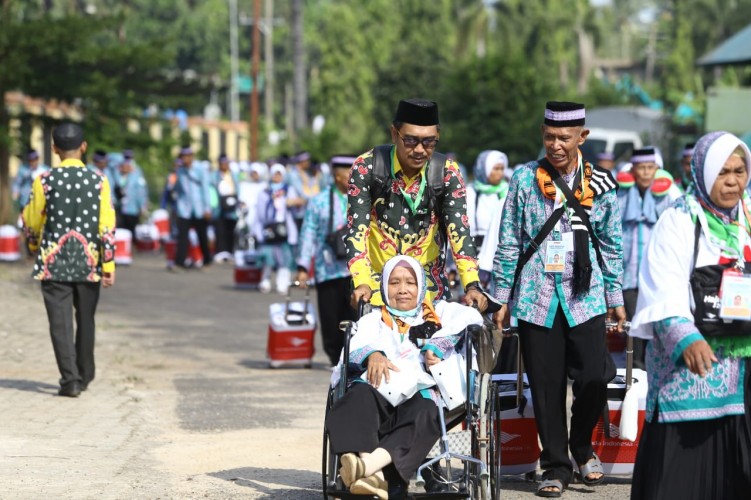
(298, 59)
(255, 66)
(268, 59)
(234, 94)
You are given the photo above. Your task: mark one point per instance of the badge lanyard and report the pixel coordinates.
(560, 198)
(413, 204)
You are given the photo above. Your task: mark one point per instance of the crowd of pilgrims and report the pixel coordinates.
(285, 211)
(263, 204)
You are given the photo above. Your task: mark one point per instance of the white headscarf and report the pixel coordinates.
(494, 158)
(277, 168)
(421, 287)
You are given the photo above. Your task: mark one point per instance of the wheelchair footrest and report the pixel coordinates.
(454, 495)
(458, 442)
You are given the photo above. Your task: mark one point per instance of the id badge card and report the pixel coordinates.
(735, 302)
(555, 256)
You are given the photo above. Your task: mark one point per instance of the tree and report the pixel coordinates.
(108, 79)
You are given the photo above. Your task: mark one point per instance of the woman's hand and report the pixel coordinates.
(699, 357)
(378, 367)
(431, 358)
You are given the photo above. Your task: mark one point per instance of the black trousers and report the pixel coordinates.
(696, 460)
(225, 234)
(128, 222)
(363, 420)
(334, 307)
(183, 228)
(74, 350)
(550, 356)
(630, 297)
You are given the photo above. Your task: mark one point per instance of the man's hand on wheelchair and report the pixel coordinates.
(501, 317)
(475, 296)
(378, 368)
(361, 292)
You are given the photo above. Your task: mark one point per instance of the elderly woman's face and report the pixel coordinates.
(728, 188)
(402, 287)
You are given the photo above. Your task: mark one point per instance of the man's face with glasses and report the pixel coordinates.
(414, 145)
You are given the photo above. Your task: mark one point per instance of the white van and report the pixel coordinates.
(620, 143)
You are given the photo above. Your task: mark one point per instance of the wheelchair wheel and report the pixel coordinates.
(329, 464)
(494, 443)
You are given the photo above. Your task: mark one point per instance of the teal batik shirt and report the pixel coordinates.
(539, 294)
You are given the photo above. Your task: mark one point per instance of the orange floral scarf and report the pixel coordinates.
(583, 193)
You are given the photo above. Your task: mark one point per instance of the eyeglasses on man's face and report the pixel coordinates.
(411, 141)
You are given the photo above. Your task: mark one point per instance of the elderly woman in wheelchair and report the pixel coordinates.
(388, 419)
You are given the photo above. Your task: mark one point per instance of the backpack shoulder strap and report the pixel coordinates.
(382, 161)
(435, 173)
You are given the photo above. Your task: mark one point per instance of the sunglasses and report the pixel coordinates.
(412, 142)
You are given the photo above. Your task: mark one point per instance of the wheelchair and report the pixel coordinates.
(470, 459)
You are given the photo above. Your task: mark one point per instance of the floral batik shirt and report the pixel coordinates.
(538, 294)
(382, 225)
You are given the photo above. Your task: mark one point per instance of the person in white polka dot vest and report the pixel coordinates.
(70, 222)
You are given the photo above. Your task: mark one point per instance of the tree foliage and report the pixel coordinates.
(490, 64)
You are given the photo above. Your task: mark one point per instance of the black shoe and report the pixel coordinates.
(84, 386)
(433, 480)
(71, 390)
(397, 487)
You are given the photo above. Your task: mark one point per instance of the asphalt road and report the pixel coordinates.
(182, 357)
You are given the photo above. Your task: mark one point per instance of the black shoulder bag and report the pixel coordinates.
(335, 239)
(274, 232)
(705, 285)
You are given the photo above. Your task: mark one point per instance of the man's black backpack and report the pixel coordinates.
(381, 186)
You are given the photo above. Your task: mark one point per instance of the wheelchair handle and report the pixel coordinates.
(613, 324)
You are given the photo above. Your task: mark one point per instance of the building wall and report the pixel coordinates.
(31, 125)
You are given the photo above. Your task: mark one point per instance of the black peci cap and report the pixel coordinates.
(67, 136)
(417, 111)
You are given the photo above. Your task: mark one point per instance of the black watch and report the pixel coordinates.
(475, 284)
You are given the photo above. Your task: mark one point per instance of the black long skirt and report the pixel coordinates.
(696, 460)
(363, 420)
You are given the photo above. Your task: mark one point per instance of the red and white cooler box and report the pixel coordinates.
(292, 327)
(194, 250)
(10, 243)
(247, 270)
(124, 247)
(618, 455)
(160, 219)
(147, 238)
(520, 449)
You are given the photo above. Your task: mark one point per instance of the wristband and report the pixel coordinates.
(475, 284)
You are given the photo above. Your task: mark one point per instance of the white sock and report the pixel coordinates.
(375, 461)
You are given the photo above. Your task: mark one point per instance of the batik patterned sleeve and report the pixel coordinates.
(606, 223)
(442, 346)
(309, 234)
(509, 239)
(34, 215)
(675, 334)
(107, 227)
(457, 224)
(358, 219)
